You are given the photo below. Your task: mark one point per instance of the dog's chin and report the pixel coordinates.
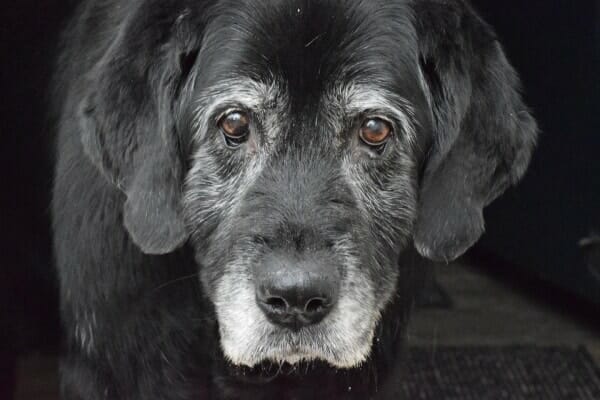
(292, 350)
(301, 357)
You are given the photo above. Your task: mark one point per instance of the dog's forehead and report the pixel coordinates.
(308, 44)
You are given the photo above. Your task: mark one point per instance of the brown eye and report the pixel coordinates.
(375, 131)
(235, 126)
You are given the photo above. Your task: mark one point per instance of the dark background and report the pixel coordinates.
(532, 232)
(555, 46)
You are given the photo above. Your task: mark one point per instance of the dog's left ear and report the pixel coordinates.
(483, 134)
(128, 120)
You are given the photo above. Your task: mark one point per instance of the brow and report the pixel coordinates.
(357, 98)
(231, 93)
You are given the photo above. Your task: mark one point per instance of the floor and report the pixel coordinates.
(488, 310)
(485, 310)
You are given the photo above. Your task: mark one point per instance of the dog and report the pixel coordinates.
(245, 190)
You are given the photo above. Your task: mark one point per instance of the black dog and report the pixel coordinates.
(240, 186)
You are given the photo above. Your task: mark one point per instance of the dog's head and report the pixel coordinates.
(301, 146)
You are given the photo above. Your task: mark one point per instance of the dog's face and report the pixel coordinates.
(303, 181)
(302, 146)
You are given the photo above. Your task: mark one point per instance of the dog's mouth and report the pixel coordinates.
(293, 355)
(291, 350)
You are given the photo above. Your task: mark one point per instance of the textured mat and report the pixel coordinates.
(516, 373)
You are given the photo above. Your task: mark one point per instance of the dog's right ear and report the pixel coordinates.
(127, 117)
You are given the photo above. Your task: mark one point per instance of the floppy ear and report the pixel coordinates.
(483, 133)
(128, 125)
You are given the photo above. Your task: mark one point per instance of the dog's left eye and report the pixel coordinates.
(235, 126)
(375, 132)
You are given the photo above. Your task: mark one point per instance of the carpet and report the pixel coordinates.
(516, 373)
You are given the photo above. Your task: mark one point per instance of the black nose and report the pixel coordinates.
(293, 294)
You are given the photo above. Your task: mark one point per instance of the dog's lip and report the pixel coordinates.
(293, 358)
(293, 353)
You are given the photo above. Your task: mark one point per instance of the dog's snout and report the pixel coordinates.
(295, 303)
(293, 294)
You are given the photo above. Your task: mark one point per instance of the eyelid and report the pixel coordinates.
(235, 108)
(383, 117)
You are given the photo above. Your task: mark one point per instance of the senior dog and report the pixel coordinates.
(243, 188)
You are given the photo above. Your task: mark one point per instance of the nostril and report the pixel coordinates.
(315, 305)
(295, 293)
(277, 303)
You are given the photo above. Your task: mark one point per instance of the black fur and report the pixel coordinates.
(129, 249)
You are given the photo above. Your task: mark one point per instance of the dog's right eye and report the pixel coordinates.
(235, 126)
